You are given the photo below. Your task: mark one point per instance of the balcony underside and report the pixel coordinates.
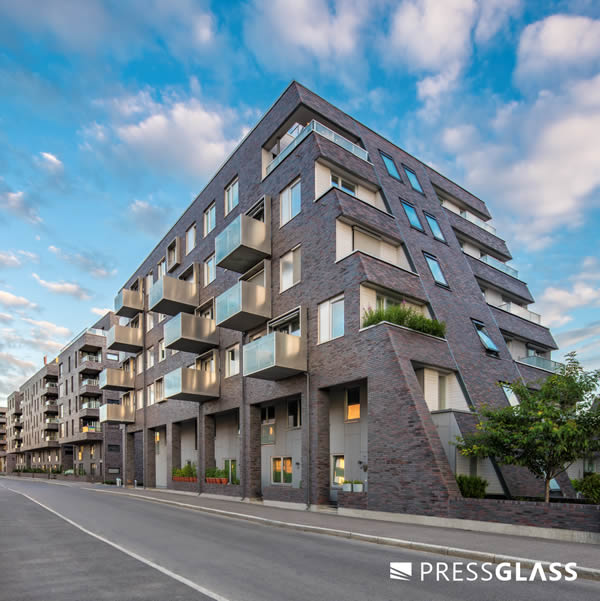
(191, 334)
(117, 414)
(243, 321)
(117, 379)
(186, 384)
(242, 258)
(171, 296)
(124, 339)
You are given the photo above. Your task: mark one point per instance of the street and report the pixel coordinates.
(154, 552)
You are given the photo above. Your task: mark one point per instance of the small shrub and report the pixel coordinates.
(357, 482)
(404, 316)
(589, 487)
(212, 472)
(472, 487)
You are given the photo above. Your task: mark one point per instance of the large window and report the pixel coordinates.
(411, 213)
(352, 404)
(282, 470)
(331, 319)
(232, 363)
(390, 166)
(413, 179)
(209, 219)
(210, 270)
(435, 228)
(436, 270)
(337, 181)
(290, 269)
(231, 196)
(150, 394)
(290, 202)
(190, 239)
(338, 464)
(485, 338)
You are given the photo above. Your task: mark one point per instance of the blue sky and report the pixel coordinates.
(114, 114)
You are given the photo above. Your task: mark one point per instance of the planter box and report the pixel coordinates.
(347, 487)
(184, 479)
(217, 480)
(358, 487)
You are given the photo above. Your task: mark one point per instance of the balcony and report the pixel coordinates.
(242, 244)
(119, 414)
(500, 266)
(521, 312)
(50, 407)
(89, 429)
(186, 384)
(128, 303)
(50, 389)
(243, 307)
(171, 296)
(191, 334)
(51, 438)
(117, 379)
(90, 364)
(90, 387)
(51, 423)
(275, 356)
(326, 133)
(123, 338)
(541, 363)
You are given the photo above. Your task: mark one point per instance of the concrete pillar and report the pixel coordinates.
(149, 459)
(318, 408)
(250, 453)
(129, 458)
(173, 451)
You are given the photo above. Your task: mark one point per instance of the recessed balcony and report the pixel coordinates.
(50, 389)
(51, 423)
(541, 363)
(51, 438)
(171, 296)
(116, 379)
(242, 244)
(126, 339)
(191, 334)
(186, 384)
(521, 312)
(275, 356)
(243, 307)
(118, 414)
(128, 303)
(90, 387)
(90, 364)
(50, 407)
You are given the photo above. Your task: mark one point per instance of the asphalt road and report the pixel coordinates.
(156, 552)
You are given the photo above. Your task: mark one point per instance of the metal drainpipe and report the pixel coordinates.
(308, 454)
(145, 458)
(244, 417)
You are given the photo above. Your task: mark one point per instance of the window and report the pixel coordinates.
(162, 269)
(150, 394)
(282, 470)
(411, 213)
(149, 282)
(390, 166)
(352, 404)
(150, 357)
(112, 356)
(162, 354)
(139, 399)
(114, 448)
(290, 202)
(293, 411)
(80, 453)
(190, 239)
(338, 469)
(92, 450)
(412, 178)
(206, 363)
(436, 270)
(206, 311)
(210, 270)
(159, 391)
(149, 321)
(139, 364)
(209, 219)
(231, 196)
(511, 397)
(231, 469)
(288, 325)
(331, 319)
(232, 363)
(485, 338)
(289, 268)
(435, 228)
(343, 184)
(267, 428)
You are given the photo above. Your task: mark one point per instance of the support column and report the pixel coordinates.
(173, 450)
(149, 459)
(129, 459)
(250, 453)
(319, 447)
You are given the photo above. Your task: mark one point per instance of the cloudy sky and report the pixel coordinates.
(113, 114)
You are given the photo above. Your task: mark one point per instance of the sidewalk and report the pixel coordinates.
(448, 541)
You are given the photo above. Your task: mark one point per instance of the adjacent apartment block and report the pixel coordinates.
(252, 337)
(3, 439)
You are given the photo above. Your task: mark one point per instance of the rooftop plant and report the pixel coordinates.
(403, 315)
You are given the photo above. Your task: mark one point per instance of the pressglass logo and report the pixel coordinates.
(460, 571)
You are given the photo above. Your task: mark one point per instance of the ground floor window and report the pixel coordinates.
(80, 469)
(338, 469)
(282, 470)
(92, 469)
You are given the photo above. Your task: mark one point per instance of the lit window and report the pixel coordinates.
(390, 166)
(331, 319)
(411, 213)
(232, 364)
(352, 404)
(293, 408)
(412, 178)
(209, 219)
(338, 469)
(190, 239)
(231, 197)
(435, 228)
(342, 184)
(485, 338)
(290, 269)
(436, 270)
(210, 270)
(282, 470)
(290, 202)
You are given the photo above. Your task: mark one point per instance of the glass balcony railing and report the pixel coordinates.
(541, 363)
(275, 356)
(123, 338)
(92, 428)
(500, 265)
(128, 303)
(187, 384)
(91, 405)
(244, 306)
(117, 413)
(242, 244)
(90, 382)
(191, 333)
(116, 379)
(326, 133)
(51, 438)
(171, 295)
(521, 312)
(51, 420)
(478, 222)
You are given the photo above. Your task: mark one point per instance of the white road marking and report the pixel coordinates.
(160, 568)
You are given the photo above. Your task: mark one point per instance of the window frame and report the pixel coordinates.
(211, 209)
(287, 191)
(429, 257)
(428, 217)
(330, 302)
(408, 171)
(347, 419)
(408, 207)
(481, 329)
(298, 404)
(350, 185)
(294, 275)
(235, 182)
(283, 459)
(228, 372)
(192, 228)
(333, 470)
(385, 156)
(207, 270)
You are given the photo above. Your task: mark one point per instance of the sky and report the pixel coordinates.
(115, 113)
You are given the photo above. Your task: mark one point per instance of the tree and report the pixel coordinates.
(548, 430)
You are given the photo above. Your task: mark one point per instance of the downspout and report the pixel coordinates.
(145, 458)
(308, 454)
(244, 417)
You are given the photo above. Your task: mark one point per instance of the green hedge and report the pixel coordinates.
(405, 316)
(589, 487)
(187, 471)
(472, 486)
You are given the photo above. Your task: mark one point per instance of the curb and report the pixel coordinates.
(582, 572)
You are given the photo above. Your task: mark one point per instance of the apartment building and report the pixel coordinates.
(95, 449)
(244, 339)
(3, 440)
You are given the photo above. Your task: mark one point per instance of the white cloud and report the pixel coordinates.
(51, 162)
(10, 300)
(66, 288)
(576, 336)
(558, 46)
(37, 339)
(93, 264)
(99, 311)
(9, 259)
(5, 317)
(555, 303)
(48, 327)
(17, 204)
(20, 364)
(493, 14)
(150, 218)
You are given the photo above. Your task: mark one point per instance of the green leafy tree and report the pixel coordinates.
(548, 430)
